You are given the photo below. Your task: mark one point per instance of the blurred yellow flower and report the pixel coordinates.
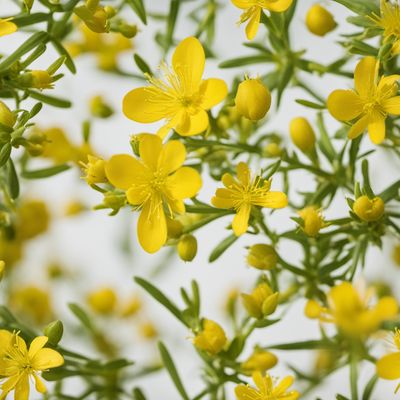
(266, 389)
(182, 98)
(262, 256)
(7, 27)
(56, 145)
(147, 330)
(243, 194)
(131, 307)
(211, 338)
(33, 219)
(260, 360)
(18, 364)
(319, 20)
(94, 170)
(261, 302)
(103, 301)
(369, 104)
(157, 180)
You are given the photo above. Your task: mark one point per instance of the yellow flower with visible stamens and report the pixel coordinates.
(253, 10)
(182, 97)
(155, 182)
(389, 21)
(7, 27)
(369, 104)
(244, 193)
(266, 389)
(18, 364)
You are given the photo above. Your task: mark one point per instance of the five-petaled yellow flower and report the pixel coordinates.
(266, 389)
(155, 182)
(389, 21)
(182, 98)
(369, 104)
(253, 10)
(388, 367)
(245, 192)
(18, 364)
(7, 27)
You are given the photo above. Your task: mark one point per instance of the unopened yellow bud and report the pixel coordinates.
(187, 247)
(127, 30)
(260, 360)
(33, 219)
(313, 221)
(302, 134)
(319, 20)
(96, 21)
(174, 227)
(103, 301)
(272, 150)
(95, 170)
(253, 99)
(262, 256)
(396, 254)
(369, 209)
(110, 11)
(7, 117)
(211, 339)
(99, 108)
(2, 269)
(41, 79)
(261, 302)
(313, 309)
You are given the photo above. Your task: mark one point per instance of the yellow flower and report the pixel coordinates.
(266, 389)
(33, 219)
(253, 10)
(56, 145)
(18, 364)
(351, 312)
(148, 330)
(261, 302)
(157, 180)
(369, 209)
(302, 134)
(313, 220)
(253, 99)
(102, 301)
(95, 170)
(95, 18)
(7, 117)
(131, 307)
(369, 104)
(388, 367)
(211, 339)
(319, 20)
(182, 98)
(7, 27)
(244, 193)
(389, 21)
(260, 360)
(41, 79)
(262, 256)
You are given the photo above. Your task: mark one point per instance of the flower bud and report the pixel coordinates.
(127, 30)
(313, 221)
(103, 301)
(262, 256)
(313, 309)
(260, 360)
(54, 331)
(7, 117)
(272, 150)
(114, 200)
(95, 18)
(95, 170)
(319, 21)
(99, 108)
(261, 302)
(211, 339)
(2, 269)
(253, 99)
(369, 209)
(302, 134)
(187, 247)
(41, 80)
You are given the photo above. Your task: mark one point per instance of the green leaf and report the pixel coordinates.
(306, 345)
(310, 104)
(173, 373)
(391, 192)
(45, 172)
(324, 141)
(142, 65)
(79, 313)
(5, 153)
(138, 394)
(370, 386)
(62, 51)
(222, 247)
(31, 19)
(360, 7)
(248, 60)
(13, 182)
(53, 101)
(172, 17)
(138, 7)
(367, 184)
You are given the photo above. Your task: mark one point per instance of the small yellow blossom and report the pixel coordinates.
(18, 364)
(99, 108)
(157, 180)
(187, 247)
(7, 27)
(262, 256)
(389, 21)
(148, 330)
(7, 117)
(95, 17)
(266, 389)
(41, 79)
(254, 8)
(103, 301)
(11, 251)
(131, 307)
(369, 104)
(245, 193)
(33, 219)
(182, 98)
(351, 312)
(74, 207)
(95, 170)
(56, 145)
(261, 302)
(313, 220)
(211, 339)
(302, 134)
(369, 209)
(260, 360)
(253, 99)
(319, 20)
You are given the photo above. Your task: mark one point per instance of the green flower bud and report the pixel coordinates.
(54, 331)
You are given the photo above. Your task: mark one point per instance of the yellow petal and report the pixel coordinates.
(144, 105)
(344, 299)
(7, 27)
(177, 206)
(152, 226)
(122, 170)
(37, 344)
(365, 74)
(10, 383)
(137, 195)
(376, 128)
(188, 62)
(358, 128)
(262, 383)
(273, 200)
(283, 385)
(253, 24)
(184, 183)
(279, 5)
(243, 173)
(149, 149)
(344, 105)
(193, 124)
(388, 86)
(213, 91)
(22, 388)
(222, 199)
(172, 156)
(392, 105)
(228, 180)
(388, 367)
(246, 393)
(243, 4)
(39, 385)
(47, 358)
(240, 221)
